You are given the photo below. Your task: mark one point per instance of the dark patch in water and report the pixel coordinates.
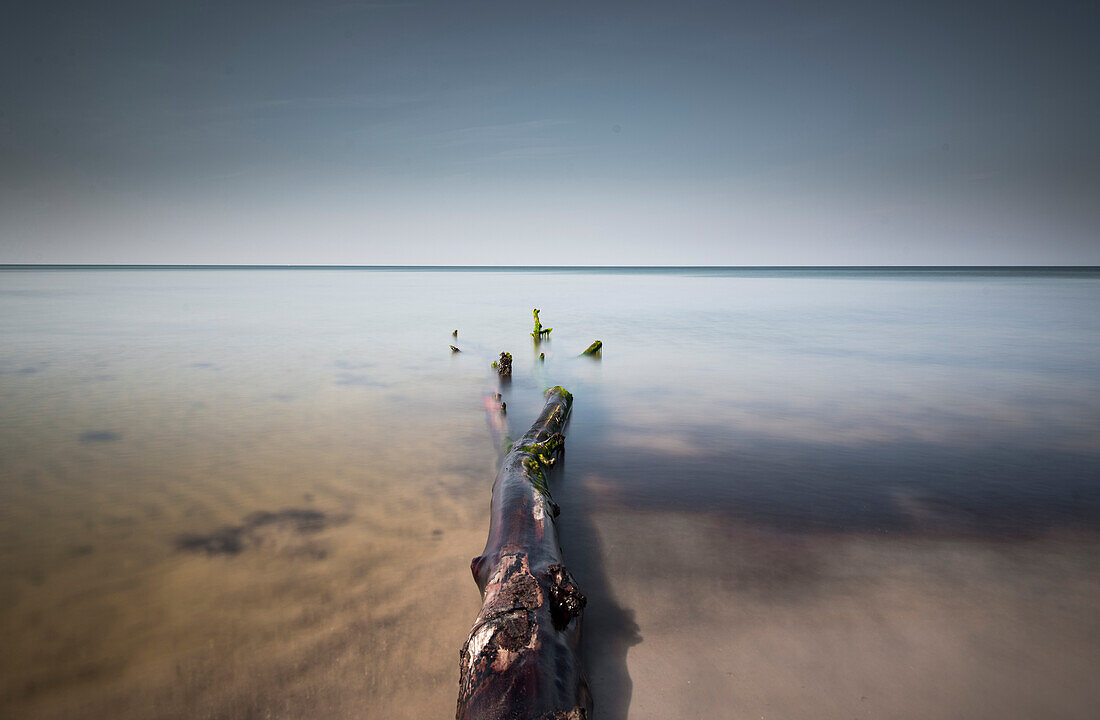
(233, 539)
(26, 371)
(202, 365)
(917, 488)
(80, 550)
(98, 378)
(282, 397)
(99, 436)
(224, 541)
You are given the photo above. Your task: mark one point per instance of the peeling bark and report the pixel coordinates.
(520, 661)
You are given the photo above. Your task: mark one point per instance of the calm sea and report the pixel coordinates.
(254, 492)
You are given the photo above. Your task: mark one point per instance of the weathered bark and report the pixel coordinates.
(520, 660)
(504, 365)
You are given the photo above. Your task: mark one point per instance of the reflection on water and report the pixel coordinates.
(794, 494)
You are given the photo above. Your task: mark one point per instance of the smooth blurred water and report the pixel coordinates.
(847, 401)
(143, 404)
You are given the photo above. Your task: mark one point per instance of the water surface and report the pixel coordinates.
(792, 493)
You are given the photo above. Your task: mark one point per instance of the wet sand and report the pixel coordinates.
(361, 615)
(746, 622)
(349, 598)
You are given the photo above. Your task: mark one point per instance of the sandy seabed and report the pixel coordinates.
(741, 622)
(331, 582)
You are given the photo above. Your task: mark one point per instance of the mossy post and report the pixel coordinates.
(594, 349)
(539, 330)
(503, 366)
(520, 661)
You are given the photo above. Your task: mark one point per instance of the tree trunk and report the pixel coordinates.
(520, 661)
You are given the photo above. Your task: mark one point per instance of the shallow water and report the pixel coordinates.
(255, 493)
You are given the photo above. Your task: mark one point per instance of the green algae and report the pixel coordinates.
(540, 458)
(539, 330)
(564, 393)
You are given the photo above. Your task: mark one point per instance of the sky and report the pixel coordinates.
(556, 133)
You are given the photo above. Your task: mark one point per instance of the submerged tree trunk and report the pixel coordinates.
(520, 661)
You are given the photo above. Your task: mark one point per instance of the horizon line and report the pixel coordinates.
(490, 268)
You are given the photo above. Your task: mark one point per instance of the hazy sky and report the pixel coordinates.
(550, 133)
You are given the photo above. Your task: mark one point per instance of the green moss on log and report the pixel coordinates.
(564, 393)
(594, 349)
(540, 458)
(539, 330)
